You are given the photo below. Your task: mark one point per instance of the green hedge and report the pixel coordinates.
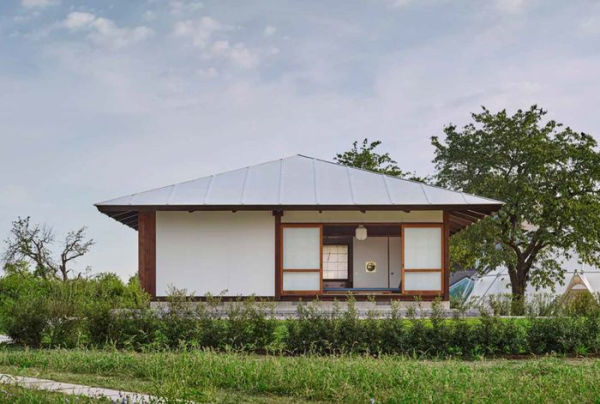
(104, 312)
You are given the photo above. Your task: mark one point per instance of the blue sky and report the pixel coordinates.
(103, 98)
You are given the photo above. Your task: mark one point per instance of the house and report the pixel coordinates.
(297, 228)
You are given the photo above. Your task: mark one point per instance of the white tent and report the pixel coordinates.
(578, 276)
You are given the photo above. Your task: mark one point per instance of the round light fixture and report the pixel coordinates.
(360, 233)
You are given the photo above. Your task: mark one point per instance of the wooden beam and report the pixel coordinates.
(476, 213)
(122, 215)
(465, 215)
(277, 214)
(147, 251)
(119, 208)
(446, 252)
(460, 221)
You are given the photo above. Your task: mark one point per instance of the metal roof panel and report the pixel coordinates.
(190, 192)
(369, 189)
(333, 185)
(262, 184)
(226, 188)
(297, 181)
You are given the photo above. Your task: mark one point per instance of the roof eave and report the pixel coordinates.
(458, 207)
(461, 215)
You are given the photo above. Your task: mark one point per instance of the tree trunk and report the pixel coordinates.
(63, 271)
(518, 283)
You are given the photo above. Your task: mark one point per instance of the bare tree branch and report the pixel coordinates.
(32, 243)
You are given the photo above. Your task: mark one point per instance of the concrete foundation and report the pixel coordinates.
(283, 309)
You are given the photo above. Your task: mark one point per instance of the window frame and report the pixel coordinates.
(339, 241)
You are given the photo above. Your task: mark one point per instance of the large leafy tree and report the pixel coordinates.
(547, 174)
(364, 156)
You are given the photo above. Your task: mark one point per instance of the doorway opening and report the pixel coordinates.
(368, 266)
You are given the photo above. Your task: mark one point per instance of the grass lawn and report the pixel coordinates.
(229, 377)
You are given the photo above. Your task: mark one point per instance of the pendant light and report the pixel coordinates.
(360, 233)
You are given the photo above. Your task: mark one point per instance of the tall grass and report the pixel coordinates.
(199, 375)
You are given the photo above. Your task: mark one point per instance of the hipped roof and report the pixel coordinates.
(297, 183)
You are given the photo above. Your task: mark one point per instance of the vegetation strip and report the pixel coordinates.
(103, 312)
(75, 389)
(204, 376)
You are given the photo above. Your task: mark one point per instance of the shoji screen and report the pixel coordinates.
(301, 259)
(422, 258)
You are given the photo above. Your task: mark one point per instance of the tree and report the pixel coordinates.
(548, 176)
(366, 158)
(32, 244)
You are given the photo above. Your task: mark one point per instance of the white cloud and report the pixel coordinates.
(512, 6)
(269, 30)
(183, 6)
(38, 3)
(199, 31)
(78, 19)
(238, 54)
(104, 31)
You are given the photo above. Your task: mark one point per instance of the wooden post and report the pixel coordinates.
(147, 251)
(446, 252)
(277, 214)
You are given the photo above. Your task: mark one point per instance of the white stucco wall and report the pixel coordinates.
(372, 249)
(215, 251)
(380, 216)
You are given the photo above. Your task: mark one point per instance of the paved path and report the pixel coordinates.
(77, 389)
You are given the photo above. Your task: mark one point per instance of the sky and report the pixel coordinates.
(100, 99)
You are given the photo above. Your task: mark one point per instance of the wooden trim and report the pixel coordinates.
(425, 224)
(480, 215)
(460, 221)
(301, 270)
(465, 215)
(300, 292)
(397, 224)
(483, 208)
(423, 292)
(424, 270)
(278, 261)
(147, 251)
(446, 255)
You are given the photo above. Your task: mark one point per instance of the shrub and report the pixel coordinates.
(581, 304)
(104, 312)
(35, 311)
